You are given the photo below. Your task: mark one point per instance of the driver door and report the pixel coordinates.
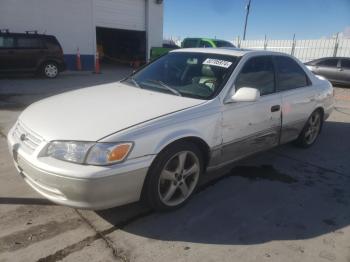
(250, 127)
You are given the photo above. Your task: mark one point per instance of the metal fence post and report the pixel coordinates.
(293, 46)
(336, 45)
(265, 43)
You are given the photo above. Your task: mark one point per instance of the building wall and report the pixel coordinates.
(121, 14)
(154, 24)
(71, 21)
(74, 22)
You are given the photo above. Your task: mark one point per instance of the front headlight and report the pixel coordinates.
(89, 153)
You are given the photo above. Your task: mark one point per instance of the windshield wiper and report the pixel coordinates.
(160, 83)
(132, 80)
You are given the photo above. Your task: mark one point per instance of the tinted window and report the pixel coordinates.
(258, 73)
(345, 63)
(190, 43)
(220, 43)
(28, 42)
(290, 74)
(7, 42)
(205, 44)
(328, 62)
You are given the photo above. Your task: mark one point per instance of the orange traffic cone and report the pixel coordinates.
(79, 68)
(97, 64)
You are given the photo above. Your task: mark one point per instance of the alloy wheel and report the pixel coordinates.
(179, 178)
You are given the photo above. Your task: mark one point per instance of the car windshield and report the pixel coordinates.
(196, 75)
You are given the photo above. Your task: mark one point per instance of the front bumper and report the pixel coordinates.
(81, 186)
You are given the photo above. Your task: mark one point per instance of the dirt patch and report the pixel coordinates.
(8, 101)
(38, 233)
(266, 172)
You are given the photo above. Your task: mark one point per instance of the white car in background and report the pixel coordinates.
(155, 134)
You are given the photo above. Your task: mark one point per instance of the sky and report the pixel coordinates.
(278, 19)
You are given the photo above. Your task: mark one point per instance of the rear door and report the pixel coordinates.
(7, 53)
(344, 70)
(298, 96)
(30, 51)
(328, 68)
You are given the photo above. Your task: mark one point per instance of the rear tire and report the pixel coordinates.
(311, 130)
(50, 70)
(173, 177)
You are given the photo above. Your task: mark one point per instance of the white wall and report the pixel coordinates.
(69, 20)
(154, 24)
(73, 22)
(121, 14)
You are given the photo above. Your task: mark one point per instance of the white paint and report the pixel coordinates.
(70, 21)
(74, 22)
(122, 14)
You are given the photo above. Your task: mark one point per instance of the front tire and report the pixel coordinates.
(173, 177)
(311, 130)
(50, 70)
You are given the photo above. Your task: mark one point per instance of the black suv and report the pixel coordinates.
(31, 52)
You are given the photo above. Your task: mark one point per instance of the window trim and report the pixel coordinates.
(274, 73)
(308, 81)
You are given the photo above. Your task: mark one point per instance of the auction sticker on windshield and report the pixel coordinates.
(217, 62)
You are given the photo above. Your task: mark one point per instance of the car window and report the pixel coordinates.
(328, 62)
(220, 43)
(190, 43)
(197, 75)
(23, 42)
(289, 74)
(345, 63)
(7, 42)
(258, 72)
(205, 44)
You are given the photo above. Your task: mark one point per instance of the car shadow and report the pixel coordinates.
(17, 91)
(276, 195)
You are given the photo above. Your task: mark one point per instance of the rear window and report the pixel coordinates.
(290, 74)
(190, 43)
(7, 42)
(220, 43)
(23, 42)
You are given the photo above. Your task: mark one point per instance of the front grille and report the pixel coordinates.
(24, 136)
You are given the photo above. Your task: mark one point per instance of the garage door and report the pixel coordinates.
(121, 14)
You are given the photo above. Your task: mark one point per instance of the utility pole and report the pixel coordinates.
(246, 18)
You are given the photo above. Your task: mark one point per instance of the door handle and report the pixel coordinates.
(10, 52)
(275, 108)
(340, 69)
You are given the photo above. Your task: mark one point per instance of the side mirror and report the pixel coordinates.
(246, 94)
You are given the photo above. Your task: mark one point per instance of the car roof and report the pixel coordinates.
(227, 51)
(205, 38)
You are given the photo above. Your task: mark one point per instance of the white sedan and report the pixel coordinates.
(155, 134)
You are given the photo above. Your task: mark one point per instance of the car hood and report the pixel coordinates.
(92, 113)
